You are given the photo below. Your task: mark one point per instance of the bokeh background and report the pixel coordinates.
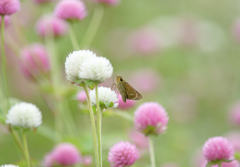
(183, 54)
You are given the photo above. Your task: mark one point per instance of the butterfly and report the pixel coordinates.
(126, 90)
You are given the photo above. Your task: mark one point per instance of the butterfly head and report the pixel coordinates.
(119, 79)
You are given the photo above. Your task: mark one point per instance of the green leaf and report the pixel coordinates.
(103, 105)
(94, 109)
(237, 155)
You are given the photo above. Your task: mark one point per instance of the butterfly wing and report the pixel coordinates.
(132, 94)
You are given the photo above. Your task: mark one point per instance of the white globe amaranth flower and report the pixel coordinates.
(105, 95)
(73, 63)
(24, 115)
(9, 166)
(96, 69)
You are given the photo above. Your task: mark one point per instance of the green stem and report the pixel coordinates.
(73, 37)
(93, 26)
(17, 140)
(4, 74)
(93, 124)
(151, 151)
(220, 164)
(99, 127)
(26, 148)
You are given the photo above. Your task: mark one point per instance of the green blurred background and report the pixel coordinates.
(196, 86)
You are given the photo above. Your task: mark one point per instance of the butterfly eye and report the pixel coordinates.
(121, 79)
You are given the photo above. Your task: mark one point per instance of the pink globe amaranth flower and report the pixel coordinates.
(151, 118)
(218, 149)
(48, 160)
(234, 115)
(87, 161)
(49, 24)
(71, 10)
(144, 41)
(8, 7)
(145, 80)
(123, 154)
(123, 105)
(234, 138)
(81, 96)
(140, 140)
(34, 60)
(66, 154)
(6, 21)
(108, 2)
(228, 164)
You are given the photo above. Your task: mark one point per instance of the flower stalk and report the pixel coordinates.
(99, 127)
(151, 151)
(93, 26)
(26, 148)
(95, 139)
(73, 37)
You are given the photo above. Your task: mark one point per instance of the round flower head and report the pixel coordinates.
(8, 7)
(6, 21)
(96, 69)
(151, 118)
(66, 154)
(9, 166)
(106, 96)
(74, 62)
(123, 154)
(34, 60)
(217, 149)
(71, 10)
(51, 25)
(123, 105)
(43, 1)
(235, 114)
(87, 160)
(24, 115)
(81, 96)
(108, 2)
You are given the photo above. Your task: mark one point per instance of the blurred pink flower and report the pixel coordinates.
(123, 105)
(151, 118)
(170, 164)
(228, 164)
(66, 154)
(144, 41)
(48, 160)
(123, 154)
(140, 140)
(235, 114)
(81, 96)
(6, 21)
(8, 7)
(87, 160)
(49, 24)
(71, 10)
(145, 80)
(218, 148)
(34, 60)
(43, 1)
(234, 138)
(108, 2)
(236, 29)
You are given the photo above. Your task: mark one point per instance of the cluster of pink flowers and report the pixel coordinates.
(66, 154)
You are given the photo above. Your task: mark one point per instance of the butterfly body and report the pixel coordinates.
(127, 91)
